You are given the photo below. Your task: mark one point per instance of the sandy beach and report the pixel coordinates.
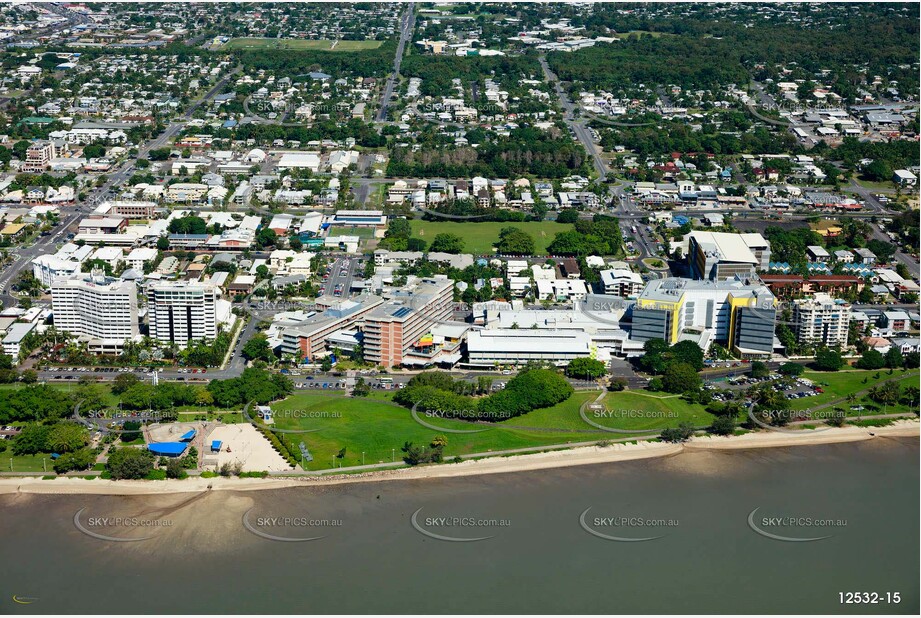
(496, 465)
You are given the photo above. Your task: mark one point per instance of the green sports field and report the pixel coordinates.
(479, 238)
(301, 44)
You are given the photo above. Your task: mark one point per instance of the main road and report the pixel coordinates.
(406, 32)
(577, 126)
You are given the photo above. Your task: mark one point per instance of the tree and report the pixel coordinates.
(78, 460)
(688, 352)
(570, 215)
(828, 360)
(653, 359)
(175, 469)
(587, 368)
(163, 243)
(94, 150)
(836, 419)
(258, 348)
(792, 369)
(132, 431)
(415, 244)
(912, 360)
(361, 388)
(447, 243)
(515, 242)
(893, 359)
(911, 396)
(188, 225)
(723, 425)
(123, 382)
(129, 463)
(32, 439)
(878, 170)
(771, 406)
(266, 237)
(680, 378)
(67, 436)
(871, 359)
(681, 433)
(29, 376)
(759, 370)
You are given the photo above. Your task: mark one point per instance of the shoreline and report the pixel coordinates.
(586, 455)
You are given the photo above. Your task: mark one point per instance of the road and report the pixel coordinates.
(406, 32)
(577, 126)
(342, 272)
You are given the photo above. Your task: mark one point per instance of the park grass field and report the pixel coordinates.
(479, 238)
(639, 410)
(40, 462)
(840, 384)
(875, 185)
(300, 44)
(346, 230)
(379, 428)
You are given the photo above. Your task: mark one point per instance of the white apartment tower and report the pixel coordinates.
(181, 312)
(822, 319)
(101, 310)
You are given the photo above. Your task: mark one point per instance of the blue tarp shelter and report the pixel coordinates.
(167, 449)
(187, 436)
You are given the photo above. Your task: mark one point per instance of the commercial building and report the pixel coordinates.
(904, 178)
(720, 255)
(821, 319)
(360, 218)
(306, 339)
(740, 316)
(300, 160)
(12, 342)
(393, 329)
(490, 348)
(101, 311)
(181, 312)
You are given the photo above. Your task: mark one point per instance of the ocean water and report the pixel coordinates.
(568, 540)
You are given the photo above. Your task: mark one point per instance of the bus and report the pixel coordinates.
(386, 382)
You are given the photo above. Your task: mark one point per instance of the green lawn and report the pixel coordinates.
(874, 184)
(345, 230)
(301, 44)
(348, 46)
(480, 237)
(636, 410)
(25, 463)
(379, 428)
(838, 384)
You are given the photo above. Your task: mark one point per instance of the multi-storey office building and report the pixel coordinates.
(719, 255)
(740, 315)
(391, 330)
